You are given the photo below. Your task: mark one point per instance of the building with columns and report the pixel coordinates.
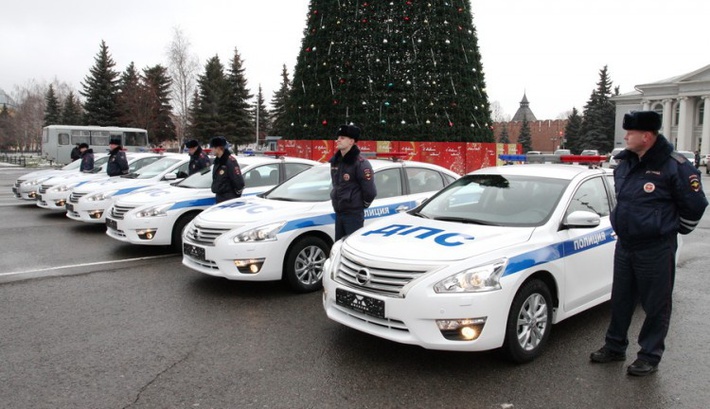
(683, 103)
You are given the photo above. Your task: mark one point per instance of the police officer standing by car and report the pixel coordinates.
(659, 195)
(117, 163)
(87, 158)
(198, 158)
(227, 180)
(353, 182)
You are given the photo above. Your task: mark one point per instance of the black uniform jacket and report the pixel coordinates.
(353, 182)
(198, 161)
(227, 180)
(117, 163)
(657, 195)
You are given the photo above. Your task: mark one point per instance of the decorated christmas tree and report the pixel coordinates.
(401, 70)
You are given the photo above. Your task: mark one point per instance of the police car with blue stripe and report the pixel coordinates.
(491, 261)
(54, 192)
(88, 202)
(287, 232)
(157, 216)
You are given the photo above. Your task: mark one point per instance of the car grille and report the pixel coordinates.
(204, 235)
(395, 325)
(117, 212)
(74, 197)
(18, 182)
(202, 263)
(382, 281)
(43, 189)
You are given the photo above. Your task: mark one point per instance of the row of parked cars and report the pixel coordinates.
(488, 260)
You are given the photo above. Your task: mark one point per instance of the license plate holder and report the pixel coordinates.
(111, 224)
(360, 303)
(193, 251)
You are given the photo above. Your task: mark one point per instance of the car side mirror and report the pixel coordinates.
(582, 218)
(170, 176)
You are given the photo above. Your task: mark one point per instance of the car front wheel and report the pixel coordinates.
(529, 322)
(304, 264)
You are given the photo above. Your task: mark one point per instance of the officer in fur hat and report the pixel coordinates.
(87, 158)
(117, 163)
(198, 158)
(227, 180)
(353, 182)
(659, 194)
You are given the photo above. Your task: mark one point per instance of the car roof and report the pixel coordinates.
(550, 170)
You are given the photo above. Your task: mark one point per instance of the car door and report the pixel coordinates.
(588, 253)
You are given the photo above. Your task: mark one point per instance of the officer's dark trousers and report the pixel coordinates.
(348, 223)
(643, 274)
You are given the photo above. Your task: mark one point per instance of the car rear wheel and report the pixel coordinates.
(304, 264)
(529, 322)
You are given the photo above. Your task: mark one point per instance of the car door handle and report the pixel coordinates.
(401, 208)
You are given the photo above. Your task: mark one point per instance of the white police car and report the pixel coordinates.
(27, 186)
(157, 216)
(491, 261)
(89, 201)
(54, 192)
(287, 232)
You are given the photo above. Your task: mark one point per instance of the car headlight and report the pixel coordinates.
(34, 182)
(263, 233)
(60, 188)
(97, 197)
(474, 280)
(155, 211)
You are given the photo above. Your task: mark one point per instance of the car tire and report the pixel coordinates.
(178, 228)
(304, 264)
(529, 322)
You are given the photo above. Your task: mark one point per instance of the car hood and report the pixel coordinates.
(247, 210)
(114, 183)
(42, 174)
(75, 178)
(182, 197)
(409, 238)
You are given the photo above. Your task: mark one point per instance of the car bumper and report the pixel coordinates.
(53, 201)
(94, 212)
(150, 231)
(413, 319)
(219, 261)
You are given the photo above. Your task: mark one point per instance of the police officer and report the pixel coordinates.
(87, 158)
(117, 163)
(75, 152)
(198, 158)
(227, 180)
(659, 195)
(353, 182)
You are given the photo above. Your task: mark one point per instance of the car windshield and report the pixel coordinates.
(75, 165)
(496, 200)
(311, 185)
(200, 180)
(155, 168)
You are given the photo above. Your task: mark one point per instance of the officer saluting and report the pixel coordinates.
(659, 195)
(227, 180)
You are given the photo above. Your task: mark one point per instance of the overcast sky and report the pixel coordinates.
(550, 49)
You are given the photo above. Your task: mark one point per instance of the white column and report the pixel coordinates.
(667, 118)
(705, 144)
(684, 125)
(646, 105)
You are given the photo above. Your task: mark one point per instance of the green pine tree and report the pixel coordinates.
(573, 132)
(400, 70)
(504, 136)
(130, 100)
(278, 117)
(264, 115)
(72, 111)
(52, 110)
(237, 110)
(157, 84)
(525, 137)
(100, 91)
(207, 121)
(598, 125)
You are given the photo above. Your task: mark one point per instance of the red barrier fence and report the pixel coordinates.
(461, 157)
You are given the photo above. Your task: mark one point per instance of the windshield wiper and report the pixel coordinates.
(465, 220)
(422, 215)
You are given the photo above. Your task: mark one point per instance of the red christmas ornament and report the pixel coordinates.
(451, 124)
(315, 11)
(342, 80)
(406, 18)
(324, 123)
(336, 102)
(364, 21)
(365, 4)
(409, 3)
(460, 9)
(308, 50)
